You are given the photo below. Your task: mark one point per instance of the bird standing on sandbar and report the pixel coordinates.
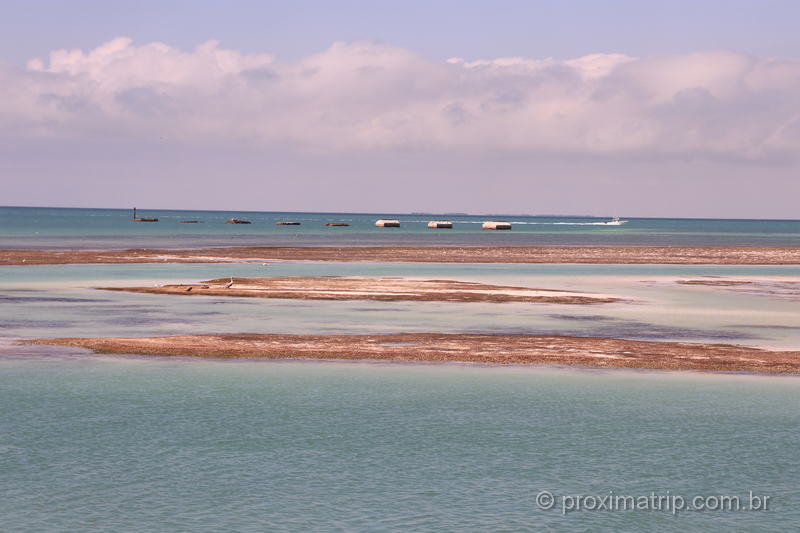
(229, 284)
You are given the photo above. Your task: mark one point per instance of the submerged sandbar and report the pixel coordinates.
(379, 289)
(467, 348)
(678, 255)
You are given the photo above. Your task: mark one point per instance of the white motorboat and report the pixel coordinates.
(615, 221)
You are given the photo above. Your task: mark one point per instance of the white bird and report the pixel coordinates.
(229, 284)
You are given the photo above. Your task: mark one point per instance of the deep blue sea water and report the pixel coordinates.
(23, 227)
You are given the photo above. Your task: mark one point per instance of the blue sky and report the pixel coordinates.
(679, 108)
(438, 29)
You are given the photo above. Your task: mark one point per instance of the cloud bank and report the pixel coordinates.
(368, 96)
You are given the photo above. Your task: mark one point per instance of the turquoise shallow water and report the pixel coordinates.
(60, 300)
(50, 228)
(150, 444)
(124, 443)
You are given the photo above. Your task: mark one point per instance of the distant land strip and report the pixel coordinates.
(678, 255)
(454, 347)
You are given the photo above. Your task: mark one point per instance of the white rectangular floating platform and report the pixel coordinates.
(440, 224)
(496, 225)
(386, 223)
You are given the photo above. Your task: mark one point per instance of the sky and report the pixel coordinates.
(631, 108)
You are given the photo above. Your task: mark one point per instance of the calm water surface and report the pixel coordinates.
(124, 443)
(105, 444)
(49, 228)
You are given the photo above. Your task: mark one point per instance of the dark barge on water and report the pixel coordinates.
(141, 219)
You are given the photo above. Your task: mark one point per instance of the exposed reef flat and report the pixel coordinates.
(771, 288)
(494, 349)
(680, 255)
(380, 289)
(713, 282)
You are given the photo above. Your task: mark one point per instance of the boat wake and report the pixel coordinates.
(608, 223)
(605, 223)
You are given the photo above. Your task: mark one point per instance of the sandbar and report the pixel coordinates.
(464, 348)
(681, 255)
(378, 289)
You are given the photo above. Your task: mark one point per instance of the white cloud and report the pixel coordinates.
(369, 96)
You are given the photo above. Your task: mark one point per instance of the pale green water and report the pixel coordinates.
(119, 444)
(150, 444)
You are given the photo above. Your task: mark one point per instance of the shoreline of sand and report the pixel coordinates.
(597, 352)
(680, 255)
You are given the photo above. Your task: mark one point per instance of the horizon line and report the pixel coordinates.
(409, 213)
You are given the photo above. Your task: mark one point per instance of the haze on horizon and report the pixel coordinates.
(685, 109)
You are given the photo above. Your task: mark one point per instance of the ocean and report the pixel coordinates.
(102, 229)
(129, 443)
(120, 444)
